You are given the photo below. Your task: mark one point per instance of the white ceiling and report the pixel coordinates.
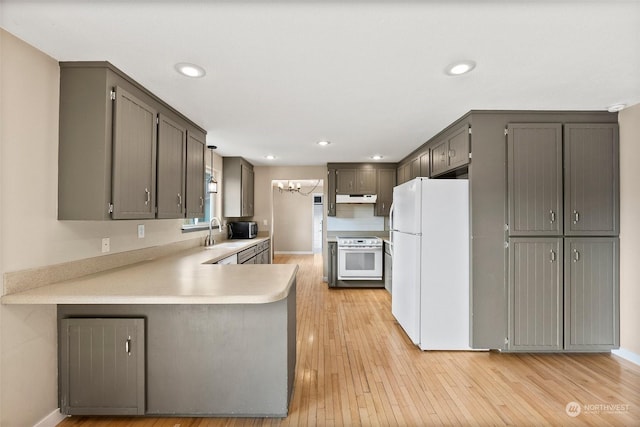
(366, 75)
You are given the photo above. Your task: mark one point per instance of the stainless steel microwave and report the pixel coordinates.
(243, 229)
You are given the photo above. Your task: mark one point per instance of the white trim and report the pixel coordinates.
(628, 355)
(51, 420)
(293, 253)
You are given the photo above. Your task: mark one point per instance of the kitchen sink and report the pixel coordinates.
(230, 245)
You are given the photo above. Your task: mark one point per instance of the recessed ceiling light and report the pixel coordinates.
(377, 157)
(616, 107)
(324, 143)
(270, 157)
(190, 70)
(460, 67)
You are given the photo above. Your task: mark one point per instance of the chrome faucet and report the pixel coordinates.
(208, 241)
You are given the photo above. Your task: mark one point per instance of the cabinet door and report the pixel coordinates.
(386, 182)
(332, 273)
(247, 190)
(331, 192)
(134, 157)
(365, 181)
(415, 168)
(591, 179)
(535, 287)
(172, 140)
(388, 269)
(458, 148)
(195, 175)
(439, 159)
(102, 366)
(591, 293)
(345, 181)
(424, 165)
(535, 179)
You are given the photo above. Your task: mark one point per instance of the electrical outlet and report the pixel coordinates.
(106, 245)
(140, 231)
(264, 222)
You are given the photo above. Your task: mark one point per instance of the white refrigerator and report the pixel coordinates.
(430, 234)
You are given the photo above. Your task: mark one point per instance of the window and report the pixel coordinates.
(211, 204)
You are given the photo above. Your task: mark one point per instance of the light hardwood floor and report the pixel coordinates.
(356, 367)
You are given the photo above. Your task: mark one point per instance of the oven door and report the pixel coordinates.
(359, 263)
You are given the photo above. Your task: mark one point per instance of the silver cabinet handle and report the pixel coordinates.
(553, 216)
(452, 153)
(201, 201)
(127, 346)
(576, 255)
(576, 217)
(179, 199)
(553, 255)
(148, 196)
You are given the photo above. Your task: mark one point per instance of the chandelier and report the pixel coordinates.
(292, 187)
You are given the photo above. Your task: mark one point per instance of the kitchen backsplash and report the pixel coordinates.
(355, 217)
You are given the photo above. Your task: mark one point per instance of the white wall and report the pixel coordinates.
(629, 120)
(31, 235)
(293, 221)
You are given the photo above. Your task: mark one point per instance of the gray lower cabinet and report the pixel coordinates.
(332, 271)
(591, 293)
(564, 294)
(259, 253)
(535, 287)
(102, 366)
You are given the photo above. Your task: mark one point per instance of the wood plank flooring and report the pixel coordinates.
(356, 367)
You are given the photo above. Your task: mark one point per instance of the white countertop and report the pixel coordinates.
(185, 278)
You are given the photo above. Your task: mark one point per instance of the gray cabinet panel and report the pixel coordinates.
(172, 139)
(439, 158)
(237, 187)
(425, 169)
(331, 192)
(415, 168)
(591, 294)
(459, 148)
(592, 179)
(195, 174)
(345, 181)
(366, 181)
(332, 272)
(102, 366)
(134, 157)
(535, 179)
(247, 190)
(386, 182)
(535, 287)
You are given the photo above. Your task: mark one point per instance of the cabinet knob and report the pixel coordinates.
(576, 255)
(452, 153)
(553, 255)
(127, 346)
(201, 201)
(552, 216)
(147, 195)
(179, 199)
(576, 216)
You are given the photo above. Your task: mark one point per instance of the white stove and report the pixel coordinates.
(359, 258)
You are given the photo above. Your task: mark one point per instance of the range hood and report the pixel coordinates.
(356, 198)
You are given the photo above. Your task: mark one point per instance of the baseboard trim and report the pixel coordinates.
(293, 253)
(628, 355)
(51, 420)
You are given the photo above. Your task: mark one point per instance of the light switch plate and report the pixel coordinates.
(106, 244)
(140, 231)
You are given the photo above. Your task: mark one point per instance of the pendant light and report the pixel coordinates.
(212, 185)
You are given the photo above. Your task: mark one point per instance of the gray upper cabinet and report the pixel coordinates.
(134, 157)
(172, 138)
(331, 192)
(452, 152)
(386, 182)
(195, 174)
(425, 169)
(332, 264)
(591, 162)
(237, 187)
(355, 181)
(404, 173)
(535, 289)
(108, 147)
(535, 179)
(102, 366)
(415, 168)
(592, 293)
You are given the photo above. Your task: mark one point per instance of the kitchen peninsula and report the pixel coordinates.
(177, 335)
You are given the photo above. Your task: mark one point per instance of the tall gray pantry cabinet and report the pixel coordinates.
(123, 152)
(549, 310)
